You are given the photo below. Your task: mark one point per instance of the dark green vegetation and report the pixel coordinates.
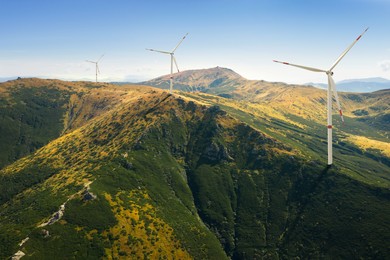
(29, 118)
(34, 112)
(368, 166)
(177, 179)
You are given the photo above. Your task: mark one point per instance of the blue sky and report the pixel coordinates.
(52, 39)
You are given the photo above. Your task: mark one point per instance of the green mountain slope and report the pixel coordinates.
(193, 176)
(29, 117)
(362, 109)
(34, 111)
(363, 158)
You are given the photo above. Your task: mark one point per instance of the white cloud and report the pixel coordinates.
(385, 65)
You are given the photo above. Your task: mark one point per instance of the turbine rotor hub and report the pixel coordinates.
(329, 73)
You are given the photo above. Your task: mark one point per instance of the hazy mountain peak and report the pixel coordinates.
(202, 74)
(212, 73)
(200, 80)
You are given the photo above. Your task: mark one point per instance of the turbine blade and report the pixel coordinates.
(97, 69)
(100, 58)
(175, 63)
(165, 52)
(336, 96)
(179, 43)
(90, 61)
(300, 66)
(347, 50)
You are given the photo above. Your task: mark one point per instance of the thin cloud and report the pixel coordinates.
(385, 65)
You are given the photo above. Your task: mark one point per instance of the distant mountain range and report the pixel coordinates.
(358, 85)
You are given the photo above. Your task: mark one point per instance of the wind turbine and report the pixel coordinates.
(172, 53)
(97, 66)
(331, 87)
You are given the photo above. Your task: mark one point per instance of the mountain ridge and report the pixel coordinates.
(65, 157)
(175, 173)
(297, 100)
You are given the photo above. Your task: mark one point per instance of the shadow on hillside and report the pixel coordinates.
(153, 108)
(290, 230)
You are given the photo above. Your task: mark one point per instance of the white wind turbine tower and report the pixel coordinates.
(331, 87)
(172, 53)
(97, 65)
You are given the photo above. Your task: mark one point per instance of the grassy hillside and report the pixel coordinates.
(29, 117)
(304, 102)
(138, 209)
(364, 158)
(33, 111)
(193, 176)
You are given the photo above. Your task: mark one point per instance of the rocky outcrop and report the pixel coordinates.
(87, 195)
(56, 216)
(215, 153)
(18, 255)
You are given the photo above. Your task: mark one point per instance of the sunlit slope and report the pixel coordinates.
(310, 103)
(35, 111)
(369, 164)
(296, 114)
(143, 206)
(305, 102)
(179, 177)
(367, 115)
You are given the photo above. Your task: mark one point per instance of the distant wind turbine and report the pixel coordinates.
(97, 66)
(331, 87)
(172, 53)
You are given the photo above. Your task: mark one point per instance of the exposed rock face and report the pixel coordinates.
(58, 215)
(127, 165)
(55, 217)
(45, 233)
(87, 195)
(214, 153)
(24, 241)
(18, 255)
